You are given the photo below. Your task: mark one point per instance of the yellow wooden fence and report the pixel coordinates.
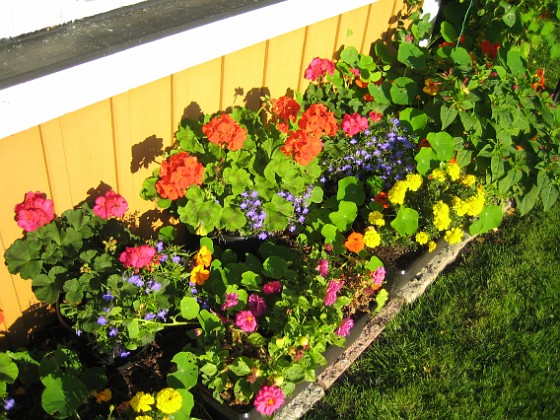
(107, 142)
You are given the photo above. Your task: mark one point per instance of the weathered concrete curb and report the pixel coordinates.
(405, 288)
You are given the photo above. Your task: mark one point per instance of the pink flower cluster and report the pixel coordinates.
(319, 67)
(231, 301)
(35, 211)
(272, 287)
(332, 289)
(269, 399)
(110, 205)
(345, 326)
(138, 256)
(323, 267)
(378, 276)
(246, 320)
(354, 123)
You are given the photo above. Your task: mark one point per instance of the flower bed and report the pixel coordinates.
(383, 152)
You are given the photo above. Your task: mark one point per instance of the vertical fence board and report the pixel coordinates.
(381, 22)
(352, 28)
(197, 90)
(243, 77)
(283, 66)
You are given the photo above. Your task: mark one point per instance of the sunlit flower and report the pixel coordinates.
(323, 267)
(246, 320)
(142, 402)
(397, 192)
(414, 181)
(453, 170)
(441, 215)
(203, 256)
(35, 211)
(332, 289)
(231, 301)
(453, 235)
(372, 238)
(376, 218)
(225, 131)
(110, 205)
(269, 399)
(431, 246)
(355, 242)
(169, 400)
(199, 274)
(422, 238)
(272, 287)
(345, 326)
(318, 68)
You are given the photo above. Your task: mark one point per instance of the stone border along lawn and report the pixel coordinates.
(406, 287)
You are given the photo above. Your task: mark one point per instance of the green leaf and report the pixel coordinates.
(62, 396)
(295, 373)
(240, 366)
(424, 160)
(448, 32)
(189, 307)
(526, 203)
(515, 63)
(406, 222)
(403, 90)
(8, 370)
(411, 56)
(461, 57)
(133, 329)
(23, 258)
(349, 55)
(350, 189)
(275, 267)
(489, 218)
(45, 289)
(443, 145)
(510, 16)
(447, 115)
(186, 375)
(167, 233)
(381, 299)
(549, 195)
(184, 412)
(345, 216)
(414, 118)
(74, 290)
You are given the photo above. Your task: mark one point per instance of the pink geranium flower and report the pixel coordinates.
(318, 68)
(345, 326)
(332, 289)
(257, 305)
(110, 205)
(272, 287)
(231, 301)
(138, 257)
(269, 399)
(375, 116)
(378, 276)
(35, 211)
(323, 267)
(246, 320)
(354, 123)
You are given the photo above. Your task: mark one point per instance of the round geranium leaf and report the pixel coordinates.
(403, 90)
(189, 308)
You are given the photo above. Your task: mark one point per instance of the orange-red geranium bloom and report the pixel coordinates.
(178, 173)
(302, 146)
(225, 131)
(286, 108)
(382, 199)
(539, 84)
(355, 242)
(319, 121)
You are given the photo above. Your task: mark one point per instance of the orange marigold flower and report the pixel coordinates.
(355, 242)
(360, 83)
(302, 147)
(178, 173)
(203, 256)
(224, 130)
(199, 274)
(431, 87)
(319, 121)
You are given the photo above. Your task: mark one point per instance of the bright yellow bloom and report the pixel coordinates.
(422, 238)
(376, 218)
(476, 203)
(468, 180)
(459, 206)
(453, 235)
(431, 246)
(203, 257)
(441, 215)
(144, 418)
(199, 275)
(453, 170)
(397, 192)
(414, 181)
(169, 400)
(142, 402)
(372, 239)
(438, 175)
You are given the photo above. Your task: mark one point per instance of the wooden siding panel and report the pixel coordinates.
(243, 77)
(197, 90)
(352, 28)
(381, 21)
(283, 66)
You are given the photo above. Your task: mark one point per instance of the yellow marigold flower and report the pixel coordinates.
(397, 192)
(169, 400)
(376, 218)
(468, 180)
(453, 170)
(203, 257)
(431, 246)
(459, 206)
(414, 181)
(142, 402)
(199, 274)
(441, 215)
(438, 175)
(422, 238)
(372, 239)
(144, 418)
(453, 235)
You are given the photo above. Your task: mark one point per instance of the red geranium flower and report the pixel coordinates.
(224, 130)
(354, 123)
(318, 120)
(178, 173)
(138, 257)
(35, 211)
(491, 50)
(302, 147)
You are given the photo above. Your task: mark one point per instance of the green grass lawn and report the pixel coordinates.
(482, 343)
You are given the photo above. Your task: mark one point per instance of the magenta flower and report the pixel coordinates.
(138, 257)
(231, 301)
(269, 399)
(35, 211)
(272, 287)
(257, 305)
(246, 320)
(323, 267)
(332, 289)
(354, 124)
(110, 205)
(378, 276)
(318, 68)
(345, 326)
